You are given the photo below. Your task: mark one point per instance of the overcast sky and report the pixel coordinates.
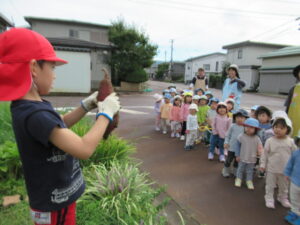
(198, 27)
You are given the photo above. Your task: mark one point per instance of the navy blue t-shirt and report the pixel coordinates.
(53, 178)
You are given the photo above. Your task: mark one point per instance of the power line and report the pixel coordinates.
(216, 10)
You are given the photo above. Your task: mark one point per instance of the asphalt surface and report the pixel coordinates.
(192, 181)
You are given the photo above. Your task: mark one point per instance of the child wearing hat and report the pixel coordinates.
(191, 127)
(184, 112)
(253, 110)
(209, 96)
(175, 117)
(196, 99)
(49, 151)
(202, 114)
(230, 106)
(220, 125)
(230, 143)
(173, 93)
(292, 171)
(293, 102)
(233, 86)
(277, 152)
(248, 147)
(158, 102)
(165, 111)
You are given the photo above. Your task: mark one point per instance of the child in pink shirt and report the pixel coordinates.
(220, 125)
(184, 112)
(175, 117)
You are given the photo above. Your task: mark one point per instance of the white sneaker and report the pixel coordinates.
(182, 138)
(270, 204)
(284, 202)
(172, 135)
(157, 128)
(164, 132)
(210, 156)
(222, 158)
(177, 135)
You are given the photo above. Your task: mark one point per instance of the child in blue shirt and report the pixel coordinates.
(292, 171)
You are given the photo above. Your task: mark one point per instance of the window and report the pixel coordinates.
(217, 66)
(206, 67)
(74, 33)
(240, 53)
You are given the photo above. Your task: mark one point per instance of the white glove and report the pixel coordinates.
(109, 107)
(90, 102)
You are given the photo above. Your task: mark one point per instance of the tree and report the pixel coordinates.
(133, 52)
(162, 69)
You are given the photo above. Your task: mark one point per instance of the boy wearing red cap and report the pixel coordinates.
(49, 151)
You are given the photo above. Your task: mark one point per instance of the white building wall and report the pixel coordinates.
(191, 67)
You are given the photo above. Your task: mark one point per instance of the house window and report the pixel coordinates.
(240, 53)
(217, 66)
(74, 33)
(206, 67)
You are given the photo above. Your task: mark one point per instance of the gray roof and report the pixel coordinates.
(73, 42)
(5, 21)
(203, 56)
(288, 51)
(31, 19)
(253, 43)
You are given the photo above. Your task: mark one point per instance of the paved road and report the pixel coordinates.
(192, 181)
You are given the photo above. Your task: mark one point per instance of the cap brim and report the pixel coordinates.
(58, 61)
(15, 80)
(246, 125)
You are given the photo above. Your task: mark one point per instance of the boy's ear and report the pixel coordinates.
(33, 68)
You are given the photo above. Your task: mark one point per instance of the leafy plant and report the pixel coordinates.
(162, 69)
(10, 164)
(119, 195)
(6, 133)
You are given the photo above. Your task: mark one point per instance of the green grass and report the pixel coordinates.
(15, 215)
(6, 133)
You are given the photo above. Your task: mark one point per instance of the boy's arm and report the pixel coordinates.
(84, 147)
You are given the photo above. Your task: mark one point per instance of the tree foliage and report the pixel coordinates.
(162, 69)
(133, 52)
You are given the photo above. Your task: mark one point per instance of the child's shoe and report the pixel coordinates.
(210, 156)
(270, 203)
(284, 202)
(164, 132)
(187, 147)
(177, 135)
(182, 138)
(172, 135)
(292, 217)
(250, 185)
(222, 158)
(225, 172)
(238, 182)
(157, 128)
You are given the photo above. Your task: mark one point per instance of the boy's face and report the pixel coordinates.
(263, 118)
(193, 111)
(213, 105)
(280, 131)
(196, 101)
(240, 120)
(250, 130)
(167, 100)
(173, 94)
(203, 102)
(43, 77)
(199, 93)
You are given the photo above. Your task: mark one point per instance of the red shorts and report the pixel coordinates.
(65, 216)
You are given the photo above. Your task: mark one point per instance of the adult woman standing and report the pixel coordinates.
(233, 86)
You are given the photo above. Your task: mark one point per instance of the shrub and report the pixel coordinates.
(6, 133)
(139, 75)
(119, 195)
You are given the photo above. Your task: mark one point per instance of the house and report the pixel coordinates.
(277, 69)
(246, 56)
(84, 45)
(4, 23)
(212, 63)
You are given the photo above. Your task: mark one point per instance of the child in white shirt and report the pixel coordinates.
(191, 127)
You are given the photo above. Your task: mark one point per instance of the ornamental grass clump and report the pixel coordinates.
(120, 194)
(6, 133)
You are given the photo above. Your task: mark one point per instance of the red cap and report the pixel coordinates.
(18, 47)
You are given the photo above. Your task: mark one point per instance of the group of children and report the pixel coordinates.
(257, 142)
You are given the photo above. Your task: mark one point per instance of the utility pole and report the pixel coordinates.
(171, 60)
(165, 56)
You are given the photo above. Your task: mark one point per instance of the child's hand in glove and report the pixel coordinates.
(90, 102)
(109, 107)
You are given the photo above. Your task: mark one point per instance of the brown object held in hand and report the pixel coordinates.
(105, 89)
